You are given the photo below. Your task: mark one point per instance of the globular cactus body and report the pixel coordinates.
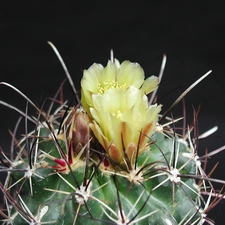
(157, 196)
(107, 161)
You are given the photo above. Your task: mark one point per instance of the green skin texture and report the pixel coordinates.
(170, 203)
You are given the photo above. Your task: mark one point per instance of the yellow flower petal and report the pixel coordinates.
(150, 84)
(92, 77)
(130, 74)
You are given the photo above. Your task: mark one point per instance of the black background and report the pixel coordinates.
(190, 34)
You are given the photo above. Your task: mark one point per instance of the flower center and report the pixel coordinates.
(119, 114)
(102, 88)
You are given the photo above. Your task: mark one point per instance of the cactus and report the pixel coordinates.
(111, 158)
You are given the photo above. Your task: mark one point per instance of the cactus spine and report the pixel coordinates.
(108, 160)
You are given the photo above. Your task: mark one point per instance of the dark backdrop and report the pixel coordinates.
(190, 34)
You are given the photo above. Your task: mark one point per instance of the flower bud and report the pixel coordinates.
(78, 131)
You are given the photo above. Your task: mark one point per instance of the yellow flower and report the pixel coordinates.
(97, 80)
(115, 97)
